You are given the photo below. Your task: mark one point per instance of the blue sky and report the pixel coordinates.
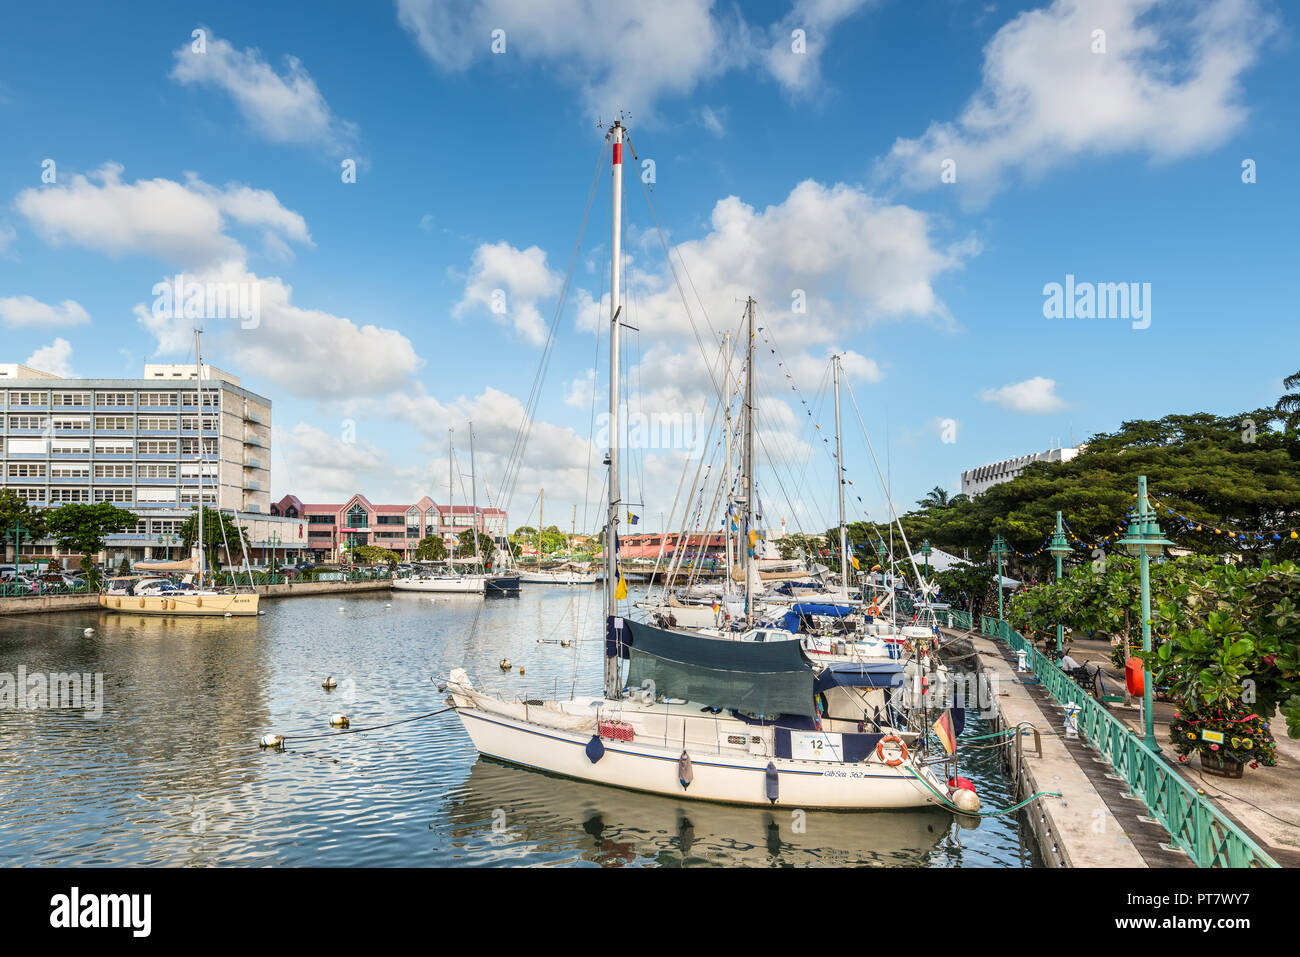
(775, 171)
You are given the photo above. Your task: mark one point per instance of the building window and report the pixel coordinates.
(60, 495)
(115, 398)
(70, 471)
(158, 399)
(357, 517)
(64, 423)
(114, 423)
(320, 520)
(112, 495)
(112, 471)
(157, 424)
(157, 471)
(33, 422)
(29, 398)
(71, 398)
(114, 447)
(157, 446)
(26, 470)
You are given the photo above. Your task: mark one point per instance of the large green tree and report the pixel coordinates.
(81, 528)
(215, 525)
(1225, 472)
(1288, 406)
(431, 549)
(14, 511)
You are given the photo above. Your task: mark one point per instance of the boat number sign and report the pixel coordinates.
(816, 746)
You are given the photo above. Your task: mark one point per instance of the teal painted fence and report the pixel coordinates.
(1194, 824)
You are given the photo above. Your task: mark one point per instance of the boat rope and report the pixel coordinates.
(952, 807)
(301, 736)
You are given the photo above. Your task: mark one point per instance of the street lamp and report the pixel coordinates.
(997, 550)
(1144, 539)
(1059, 549)
(925, 553)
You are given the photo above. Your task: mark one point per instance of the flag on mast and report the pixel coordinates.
(943, 731)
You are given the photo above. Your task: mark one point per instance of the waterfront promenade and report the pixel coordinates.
(1263, 805)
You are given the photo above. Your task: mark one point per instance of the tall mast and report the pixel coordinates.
(726, 399)
(839, 468)
(473, 491)
(748, 463)
(612, 679)
(198, 393)
(451, 509)
(541, 524)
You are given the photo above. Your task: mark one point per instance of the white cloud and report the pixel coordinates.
(320, 467)
(286, 108)
(623, 56)
(580, 392)
(26, 311)
(1036, 395)
(795, 62)
(309, 352)
(506, 284)
(182, 224)
(1168, 85)
(7, 236)
(55, 358)
(840, 255)
(715, 121)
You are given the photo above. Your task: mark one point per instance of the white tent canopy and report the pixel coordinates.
(941, 561)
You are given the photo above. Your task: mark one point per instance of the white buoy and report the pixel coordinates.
(965, 799)
(340, 607)
(339, 721)
(505, 664)
(329, 683)
(88, 632)
(275, 741)
(227, 615)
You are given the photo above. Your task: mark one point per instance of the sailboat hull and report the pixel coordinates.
(730, 778)
(196, 605)
(462, 586)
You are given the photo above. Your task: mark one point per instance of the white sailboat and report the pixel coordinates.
(710, 718)
(199, 601)
(446, 580)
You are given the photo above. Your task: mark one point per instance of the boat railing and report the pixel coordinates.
(1194, 825)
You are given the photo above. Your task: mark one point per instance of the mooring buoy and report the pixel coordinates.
(505, 664)
(339, 721)
(273, 741)
(329, 683)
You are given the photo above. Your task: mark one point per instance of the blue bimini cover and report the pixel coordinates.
(858, 674)
(804, 609)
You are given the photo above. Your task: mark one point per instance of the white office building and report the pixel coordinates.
(976, 481)
(136, 443)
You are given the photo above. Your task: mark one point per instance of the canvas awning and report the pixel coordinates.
(860, 674)
(759, 677)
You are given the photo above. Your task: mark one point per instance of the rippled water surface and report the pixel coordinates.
(170, 774)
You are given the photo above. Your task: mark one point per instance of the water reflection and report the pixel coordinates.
(170, 773)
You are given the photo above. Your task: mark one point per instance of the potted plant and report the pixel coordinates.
(1206, 668)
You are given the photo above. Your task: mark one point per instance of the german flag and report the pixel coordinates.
(943, 731)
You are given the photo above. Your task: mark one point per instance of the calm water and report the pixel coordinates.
(170, 774)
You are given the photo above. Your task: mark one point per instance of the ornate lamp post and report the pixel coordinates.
(1144, 539)
(997, 550)
(925, 553)
(1059, 549)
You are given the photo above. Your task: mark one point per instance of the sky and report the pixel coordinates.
(414, 200)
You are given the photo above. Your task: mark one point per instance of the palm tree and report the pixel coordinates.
(935, 498)
(1289, 405)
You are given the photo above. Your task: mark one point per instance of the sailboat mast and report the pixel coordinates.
(198, 392)
(451, 509)
(612, 678)
(839, 468)
(473, 491)
(748, 464)
(726, 522)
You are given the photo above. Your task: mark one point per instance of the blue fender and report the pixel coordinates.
(772, 784)
(595, 748)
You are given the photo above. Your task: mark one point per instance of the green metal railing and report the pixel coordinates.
(1194, 825)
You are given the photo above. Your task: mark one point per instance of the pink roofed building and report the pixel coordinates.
(336, 527)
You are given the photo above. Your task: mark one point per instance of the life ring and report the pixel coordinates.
(873, 611)
(902, 748)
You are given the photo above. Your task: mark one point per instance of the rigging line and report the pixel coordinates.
(591, 425)
(704, 353)
(514, 462)
(672, 514)
(888, 497)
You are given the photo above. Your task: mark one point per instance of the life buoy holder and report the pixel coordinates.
(873, 611)
(902, 750)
